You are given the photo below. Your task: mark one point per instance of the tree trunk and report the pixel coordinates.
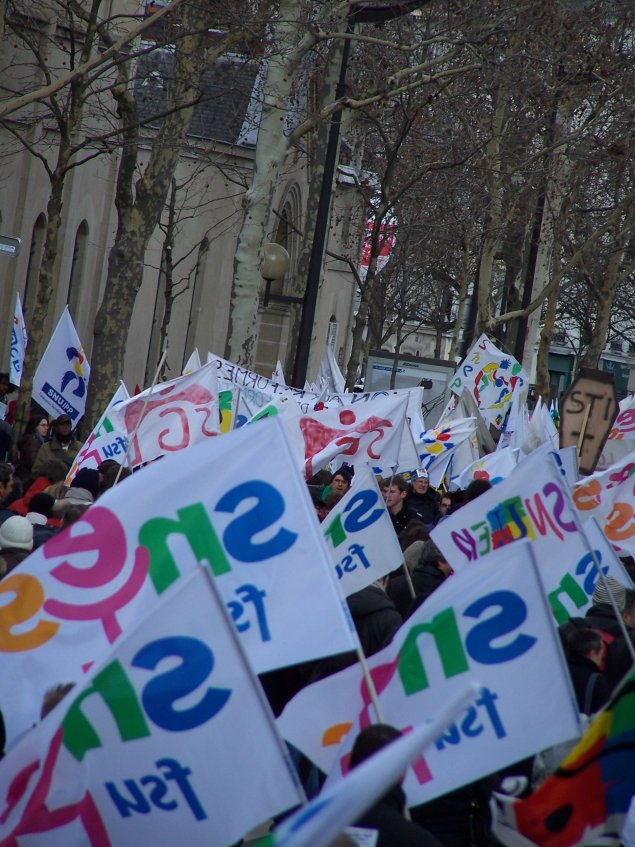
(139, 209)
(271, 150)
(542, 359)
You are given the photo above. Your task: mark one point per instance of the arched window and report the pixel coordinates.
(35, 260)
(75, 283)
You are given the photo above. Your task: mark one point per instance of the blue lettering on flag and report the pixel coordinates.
(61, 402)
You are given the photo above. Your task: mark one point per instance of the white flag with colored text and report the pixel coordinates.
(19, 340)
(170, 416)
(132, 740)
(104, 442)
(235, 503)
(61, 378)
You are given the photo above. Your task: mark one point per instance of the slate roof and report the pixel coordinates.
(226, 90)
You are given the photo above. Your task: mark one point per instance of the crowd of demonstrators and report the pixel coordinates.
(422, 500)
(7, 412)
(62, 445)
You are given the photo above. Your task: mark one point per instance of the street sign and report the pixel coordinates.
(587, 412)
(10, 245)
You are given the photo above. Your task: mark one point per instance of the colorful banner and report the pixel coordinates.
(104, 442)
(514, 429)
(61, 378)
(169, 417)
(435, 444)
(125, 758)
(490, 376)
(318, 823)
(235, 503)
(609, 496)
(585, 803)
(19, 340)
(360, 535)
(490, 625)
(372, 434)
(533, 504)
(257, 391)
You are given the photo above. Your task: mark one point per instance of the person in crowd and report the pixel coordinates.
(52, 471)
(109, 470)
(585, 651)
(16, 542)
(7, 411)
(61, 446)
(395, 495)
(445, 505)
(6, 486)
(411, 540)
(29, 443)
(39, 513)
(476, 488)
(422, 500)
(387, 815)
(428, 574)
(341, 481)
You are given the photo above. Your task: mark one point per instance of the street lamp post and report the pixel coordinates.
(359, 12)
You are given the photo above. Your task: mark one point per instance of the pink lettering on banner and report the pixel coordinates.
(107, 539)
(170, 400)
(36, 817)
(317, 436)
(624, 423)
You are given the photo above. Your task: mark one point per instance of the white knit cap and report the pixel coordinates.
(16, 533)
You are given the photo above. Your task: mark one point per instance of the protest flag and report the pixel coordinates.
(586, 801)
(360, 535)
(278, 374)
(235, 503)
(192, 364)
(19, 340)
(490, 377)
(104, 442)
(150, 746)
(61, 378)
(491, 624)
(330, 374)
(321, 820)
(169, 416)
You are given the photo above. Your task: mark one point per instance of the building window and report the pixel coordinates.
(35, 260)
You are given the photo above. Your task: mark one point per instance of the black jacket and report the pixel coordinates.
(425, 579)
(394, 830)
(591, 688)
(375, 617)
(425, 506)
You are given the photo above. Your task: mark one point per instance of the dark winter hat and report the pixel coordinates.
(63, 419)
(601, 595)
(41, 503)
(87, 478)
(345, 472)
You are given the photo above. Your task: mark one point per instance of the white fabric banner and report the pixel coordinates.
(534, 503)
(491, 625)
(360, 535)
(19, 340)
(609, 496)
(132, 741)
(435, 444)
(61, 378)
(170, 417)
(257, 391)
(104, 442)
(495, 467)
(318, 823)
(235, 503)
(330, 374)
(490, 376)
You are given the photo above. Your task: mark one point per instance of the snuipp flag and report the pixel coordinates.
(491, 625)
(61, 378)
(586, 801)
(170, 416)
(236, 504)
(490, 376)
(360, 535)
(151, 748)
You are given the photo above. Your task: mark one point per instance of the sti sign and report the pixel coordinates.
(587, 412)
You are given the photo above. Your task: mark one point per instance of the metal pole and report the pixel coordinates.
(321, 228)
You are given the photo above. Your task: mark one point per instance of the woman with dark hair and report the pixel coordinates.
(29, 443)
